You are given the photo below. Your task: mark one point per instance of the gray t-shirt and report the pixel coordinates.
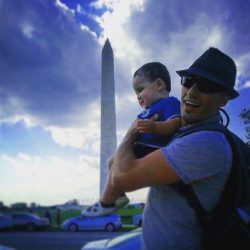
(203, 159)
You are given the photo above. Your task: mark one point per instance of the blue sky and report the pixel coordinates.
(50, 64)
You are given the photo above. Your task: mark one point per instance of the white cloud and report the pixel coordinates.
(84, 137)
(89, 161)
(69, 137)
(59, 179)
(63, 6)
(114, 24)
(243, 68)
(214, 38)
(86, 28)
(27, 30)
(24, 157)
(247, 84)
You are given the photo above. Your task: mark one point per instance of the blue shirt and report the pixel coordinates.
(166, 108)
(202, 159)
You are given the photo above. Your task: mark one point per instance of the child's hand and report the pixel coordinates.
(147, 125)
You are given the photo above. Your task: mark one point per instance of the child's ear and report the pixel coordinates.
(160, 84)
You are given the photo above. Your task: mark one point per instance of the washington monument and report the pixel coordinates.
(108, 115)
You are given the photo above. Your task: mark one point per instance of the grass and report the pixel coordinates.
(127, 214)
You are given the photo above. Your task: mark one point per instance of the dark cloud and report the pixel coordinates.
(84, 14)
(47, 64)
(160, 19)
(50, 69)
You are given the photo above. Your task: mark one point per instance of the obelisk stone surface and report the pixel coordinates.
(108, 115)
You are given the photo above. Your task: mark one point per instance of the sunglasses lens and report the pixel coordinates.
(204, 86)
(187, 81)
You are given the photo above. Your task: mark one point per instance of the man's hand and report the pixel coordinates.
(147, 125)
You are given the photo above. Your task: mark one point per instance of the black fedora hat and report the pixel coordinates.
(215, 66)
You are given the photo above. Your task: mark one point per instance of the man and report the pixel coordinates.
(202, 159)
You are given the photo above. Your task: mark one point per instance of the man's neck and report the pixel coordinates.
(185, 123)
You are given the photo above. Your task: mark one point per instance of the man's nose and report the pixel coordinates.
(192, 89)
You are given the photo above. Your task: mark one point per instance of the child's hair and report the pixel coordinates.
(154, 70)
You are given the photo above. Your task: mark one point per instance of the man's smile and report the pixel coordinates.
(191, 103)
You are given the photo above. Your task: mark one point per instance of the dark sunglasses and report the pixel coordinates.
(203, 85)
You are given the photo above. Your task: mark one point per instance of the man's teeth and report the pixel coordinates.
(191, 103)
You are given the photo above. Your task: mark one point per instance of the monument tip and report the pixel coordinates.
(107, 44)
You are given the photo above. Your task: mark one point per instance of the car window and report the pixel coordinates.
(85, 218)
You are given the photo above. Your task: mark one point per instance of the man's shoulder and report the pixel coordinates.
(208, 135)
(204, 140)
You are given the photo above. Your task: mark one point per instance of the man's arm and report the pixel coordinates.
(129, 173)
(110, 194)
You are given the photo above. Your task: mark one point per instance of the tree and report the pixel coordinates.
(245, 118)
(3, 207)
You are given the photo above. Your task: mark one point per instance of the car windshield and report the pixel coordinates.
(123, 238)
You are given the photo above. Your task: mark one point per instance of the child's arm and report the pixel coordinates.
(165, 128)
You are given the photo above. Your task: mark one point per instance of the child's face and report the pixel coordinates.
(147, 92)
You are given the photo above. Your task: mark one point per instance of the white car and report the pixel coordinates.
(109, 223)
(127, 241)
(6, 248)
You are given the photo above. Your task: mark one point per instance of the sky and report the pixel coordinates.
(50, 80)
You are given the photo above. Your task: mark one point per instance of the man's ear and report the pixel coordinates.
(160, 84)
(224, 99)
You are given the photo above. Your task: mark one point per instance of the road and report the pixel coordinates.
(51, 240)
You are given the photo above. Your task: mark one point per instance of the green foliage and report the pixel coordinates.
(127, 213)
(245, 119)
(129, 210)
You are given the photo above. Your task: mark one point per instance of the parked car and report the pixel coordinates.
(6, 248)
(126, 241)
(109, 223)
(5, 222)
(29, 221)
(137, 220)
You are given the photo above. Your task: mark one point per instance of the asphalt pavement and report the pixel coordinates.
(52, 240)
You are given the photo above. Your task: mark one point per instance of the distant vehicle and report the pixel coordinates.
(6, 248)
(70, 207)
(137, 205)
(109, 223)
(5, 222)
(29, 221)
(127, 241)
(137, 220)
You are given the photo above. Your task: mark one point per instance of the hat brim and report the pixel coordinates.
(193, 71)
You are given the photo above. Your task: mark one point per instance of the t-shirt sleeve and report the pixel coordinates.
(199, 155)
(171, 108)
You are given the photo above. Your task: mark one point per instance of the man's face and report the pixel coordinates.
(198, 102)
